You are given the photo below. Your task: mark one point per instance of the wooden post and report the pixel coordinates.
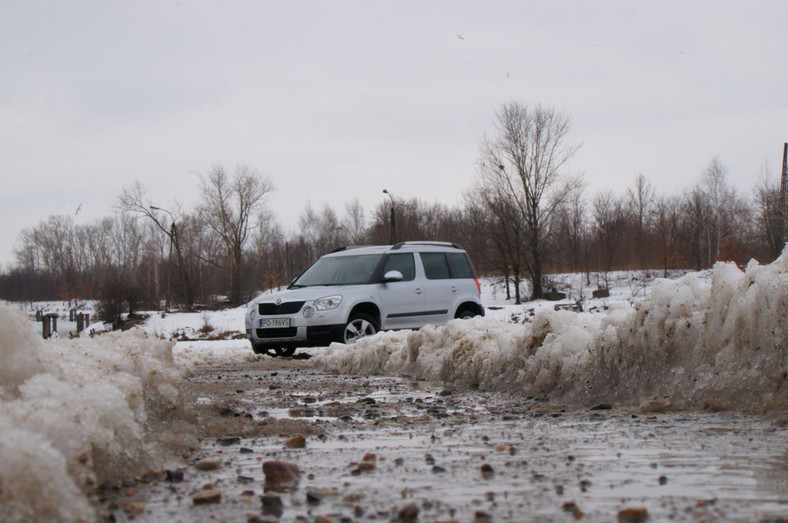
(45, 326)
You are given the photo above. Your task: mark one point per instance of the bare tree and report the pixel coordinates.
(228, 207)
(608, 214)
(355, 223)
(135, 201)
(492, 204)
(666, 219)
(768, 216)
(724, 210)
(531, 151)
(640, 199)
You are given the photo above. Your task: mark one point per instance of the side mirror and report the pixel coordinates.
(392, 276)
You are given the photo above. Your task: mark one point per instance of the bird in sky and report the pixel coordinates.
(78, 209)
(460, 37)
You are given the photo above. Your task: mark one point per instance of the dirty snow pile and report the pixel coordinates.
(79, 414)
(692, 343)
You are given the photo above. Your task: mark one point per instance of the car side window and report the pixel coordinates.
(458, 263)
(403, 263)
(435, 266)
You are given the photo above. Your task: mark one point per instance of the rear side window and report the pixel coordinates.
(459, 265)
(403, 263)
(435, 265)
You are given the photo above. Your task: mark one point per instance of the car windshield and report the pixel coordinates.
(339, 270)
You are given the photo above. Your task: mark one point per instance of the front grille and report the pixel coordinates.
(272, 309)
(286, 332)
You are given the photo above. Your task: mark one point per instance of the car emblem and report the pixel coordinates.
(279, 301)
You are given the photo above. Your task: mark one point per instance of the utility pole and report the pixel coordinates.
(784, 196)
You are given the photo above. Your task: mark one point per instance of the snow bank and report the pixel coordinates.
(79, 414)
(690, 344)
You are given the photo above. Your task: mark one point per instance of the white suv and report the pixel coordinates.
(356, 291)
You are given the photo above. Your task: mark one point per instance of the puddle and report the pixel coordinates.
(461, 456)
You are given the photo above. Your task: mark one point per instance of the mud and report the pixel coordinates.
(390, 449)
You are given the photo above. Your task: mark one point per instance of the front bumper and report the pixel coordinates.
(321, 329)
(316, 336)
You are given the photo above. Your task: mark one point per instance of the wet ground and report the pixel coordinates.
(386, 449)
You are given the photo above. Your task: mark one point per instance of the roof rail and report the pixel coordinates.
(435, 243)
(348, 247)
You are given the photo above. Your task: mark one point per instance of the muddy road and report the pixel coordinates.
(281, 441)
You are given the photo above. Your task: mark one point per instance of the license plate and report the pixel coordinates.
(274, 323)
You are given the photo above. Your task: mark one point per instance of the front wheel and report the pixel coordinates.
(273, 351)
(359, 326)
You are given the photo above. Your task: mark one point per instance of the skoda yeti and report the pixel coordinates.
(356, 291)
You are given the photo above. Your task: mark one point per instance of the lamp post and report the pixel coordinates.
(393, 219)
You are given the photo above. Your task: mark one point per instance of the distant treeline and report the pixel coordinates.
(522, 218)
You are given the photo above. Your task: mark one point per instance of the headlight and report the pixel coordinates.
(327, 303)
(251, 312)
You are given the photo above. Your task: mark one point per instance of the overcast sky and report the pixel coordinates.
(339, 100)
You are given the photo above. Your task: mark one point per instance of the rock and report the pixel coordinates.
(211, 463)
(602, 406)
(633, 515)
(205, 497)
(134, 508)
(272, 505)
(487, 471)
(313, 498)
(437, 469)
(573, 509)
(296, 442)
(366, 466)
(280, 472)
(663, 480)
(227, 441)
(408, 513)
(482, 517)
(370, 456)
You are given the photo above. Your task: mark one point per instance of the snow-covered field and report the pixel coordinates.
(80, 413)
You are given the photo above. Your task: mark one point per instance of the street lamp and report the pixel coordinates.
(393, 220)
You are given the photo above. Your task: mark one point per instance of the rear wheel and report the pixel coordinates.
(285, 351)
(359, 326)
(464, 314)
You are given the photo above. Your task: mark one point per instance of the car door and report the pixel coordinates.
(441, 290)
(402, 302)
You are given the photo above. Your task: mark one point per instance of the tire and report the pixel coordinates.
(464, 314)
(285, 352)
(359, 326)
(273, 351)
(261, 349)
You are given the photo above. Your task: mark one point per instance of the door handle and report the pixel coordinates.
(419, 291)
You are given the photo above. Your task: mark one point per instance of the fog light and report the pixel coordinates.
(309, 311)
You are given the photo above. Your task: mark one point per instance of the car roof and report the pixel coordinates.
(355, 250)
